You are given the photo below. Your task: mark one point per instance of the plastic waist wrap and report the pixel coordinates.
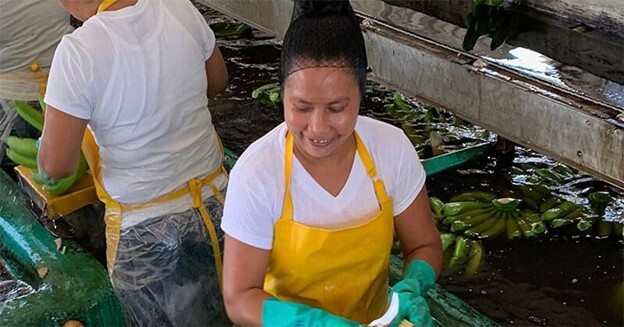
(165, 273)
(25, 86)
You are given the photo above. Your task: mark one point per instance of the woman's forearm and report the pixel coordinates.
(246, 308)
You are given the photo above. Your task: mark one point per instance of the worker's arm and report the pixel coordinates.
(59, 149)
(418, 234)
(216, 73)
(244, 267)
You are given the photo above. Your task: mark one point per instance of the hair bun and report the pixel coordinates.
(315, 8)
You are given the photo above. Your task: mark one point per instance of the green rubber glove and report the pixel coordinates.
(282, 313)
(61, 186)
(417, 279)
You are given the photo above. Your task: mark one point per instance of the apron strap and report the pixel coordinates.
(367, 161)
(371, 170)
(105, 4)
(287, 211)
(195, 186)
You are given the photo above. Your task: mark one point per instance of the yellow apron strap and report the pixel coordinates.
(112, 217)
(195, 186)
(43, 78)
(369, 165)
(105, 4)
(287, 210)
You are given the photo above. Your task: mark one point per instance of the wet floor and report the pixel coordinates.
(564, 278)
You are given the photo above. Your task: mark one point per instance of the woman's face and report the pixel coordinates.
(321, 105)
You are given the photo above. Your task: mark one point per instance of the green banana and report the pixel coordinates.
(275, 97)
(469, 213)
(478, 216)
(513, 231)
(482, 227)
(447, 240)
(42, 103)
(584, 224)
(564, 170)
(567, 219)
(525, 227)
(618, 229)
(455, 208)
(550, 203)
(598, 202)
(229, 31)
(31, 115)
(436, 206)
(474, 196)
(475, 258)
(560, 222)
(538, 228)
(548, 175)
(460, 252)
(603, 228)
(559, 211)
(262, 89)
(542, 190)
(506, 204)
(24, 146)
(399, 102)
(534, 220)
(21, 159)
(429, 116)
(496, 229)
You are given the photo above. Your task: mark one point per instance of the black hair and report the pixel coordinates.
(324, 33)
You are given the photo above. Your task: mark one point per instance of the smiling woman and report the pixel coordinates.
(313, 205)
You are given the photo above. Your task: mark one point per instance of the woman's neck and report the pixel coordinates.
(331, 172)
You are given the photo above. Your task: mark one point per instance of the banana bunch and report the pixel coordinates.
(555, 211)
(23, 151)
(226, 29)
(459, 251)
(481, 215)
(271, 90)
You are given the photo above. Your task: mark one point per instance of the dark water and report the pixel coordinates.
(565, 278)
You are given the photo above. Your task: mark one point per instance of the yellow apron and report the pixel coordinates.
(114, 209)
(342, 271)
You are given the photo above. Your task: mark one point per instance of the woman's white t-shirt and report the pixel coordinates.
(256, 187)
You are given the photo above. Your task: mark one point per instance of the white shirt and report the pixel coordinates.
(138, 75)
(256, 188)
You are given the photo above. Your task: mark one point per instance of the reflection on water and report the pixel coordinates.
(570, 78)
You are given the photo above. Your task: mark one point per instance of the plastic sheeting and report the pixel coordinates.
(165, 274)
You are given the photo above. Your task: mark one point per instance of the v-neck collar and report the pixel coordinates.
(303, 177)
